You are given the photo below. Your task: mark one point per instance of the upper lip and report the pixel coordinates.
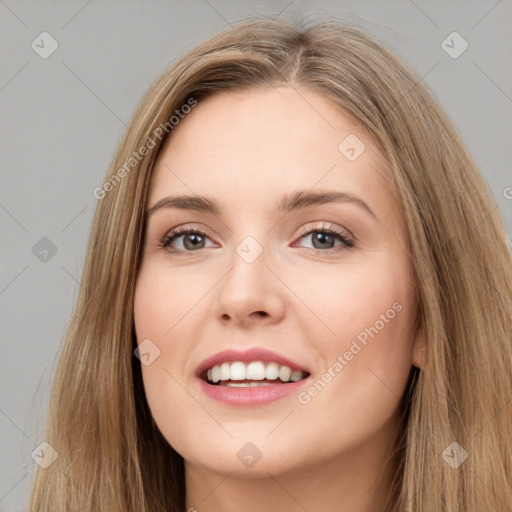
(252, 354)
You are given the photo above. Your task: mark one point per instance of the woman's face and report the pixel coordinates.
(263, 273)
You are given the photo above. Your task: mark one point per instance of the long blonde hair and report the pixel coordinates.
(111, 455)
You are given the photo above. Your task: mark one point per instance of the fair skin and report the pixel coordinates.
(246, 149)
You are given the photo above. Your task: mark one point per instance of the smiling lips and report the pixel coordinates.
(253, 368)
(255, 373)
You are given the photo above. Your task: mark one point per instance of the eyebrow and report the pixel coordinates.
(297, 200)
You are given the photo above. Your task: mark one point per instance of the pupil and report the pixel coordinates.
(194, 244)
(322, 237)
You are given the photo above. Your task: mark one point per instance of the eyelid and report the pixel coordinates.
(326, 226)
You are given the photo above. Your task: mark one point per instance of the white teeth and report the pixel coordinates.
(253, 371)
(285, 372)
(256, 371)
(225, 371)
(272, 371)
(238, 371)
(296, 375)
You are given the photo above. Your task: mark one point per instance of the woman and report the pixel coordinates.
(297, 296)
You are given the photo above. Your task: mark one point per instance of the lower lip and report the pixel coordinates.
(246, 397)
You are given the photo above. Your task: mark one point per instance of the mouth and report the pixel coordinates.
(251, 374)
(254, 377)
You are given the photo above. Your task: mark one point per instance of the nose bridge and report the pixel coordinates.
(250, 249)
(248, 267)
(249, 286)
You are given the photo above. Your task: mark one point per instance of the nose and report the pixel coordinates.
(250, 292)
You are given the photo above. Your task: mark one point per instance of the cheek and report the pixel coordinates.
(166, 305)
(350, 301)
(167, 297)
(147, 303)
(377, 317)
(367, 358)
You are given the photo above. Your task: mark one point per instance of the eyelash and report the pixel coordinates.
(185, 230)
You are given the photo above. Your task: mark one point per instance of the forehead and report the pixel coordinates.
(263, 142)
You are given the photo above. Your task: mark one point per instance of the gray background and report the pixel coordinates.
(63, 116)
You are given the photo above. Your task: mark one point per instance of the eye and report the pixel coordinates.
(324, 237)
(193, 239)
